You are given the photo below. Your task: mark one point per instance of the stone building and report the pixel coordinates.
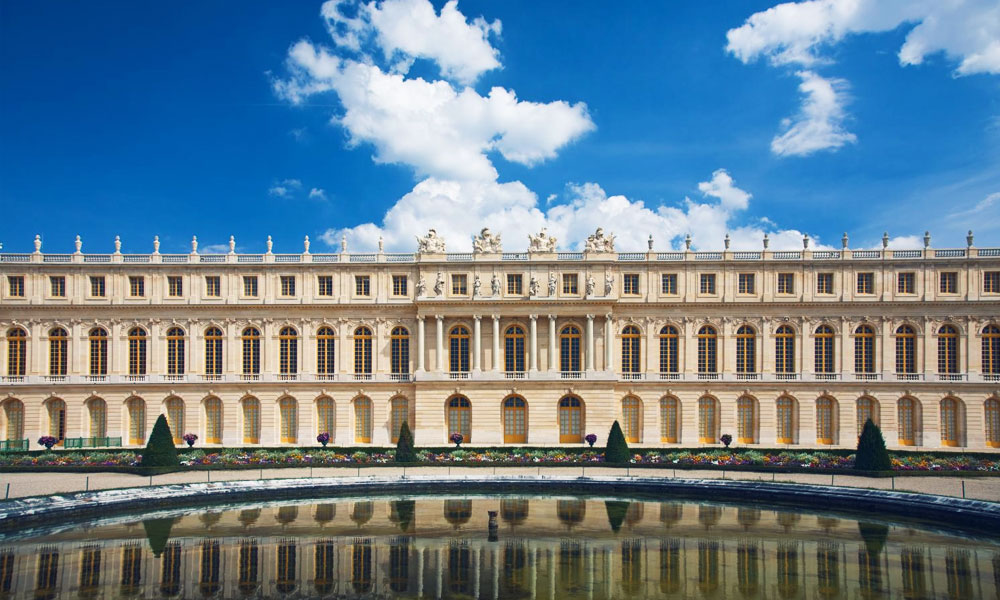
(542, 347)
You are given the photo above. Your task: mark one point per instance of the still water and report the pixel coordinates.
(541, 547)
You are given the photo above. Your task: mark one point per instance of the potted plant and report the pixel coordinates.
(591, 439)
(190, 438)
(457, 439)
(323, 438)
(48, 441)
(726, 439)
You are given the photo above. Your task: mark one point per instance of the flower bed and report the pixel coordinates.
(316, 457)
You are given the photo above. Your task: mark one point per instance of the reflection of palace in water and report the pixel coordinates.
(565, 548)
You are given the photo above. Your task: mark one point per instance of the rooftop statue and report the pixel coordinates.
(598, 242)
(431, 243)
(486, 242)
(543, 242)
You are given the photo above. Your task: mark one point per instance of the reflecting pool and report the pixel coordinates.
(540, 547)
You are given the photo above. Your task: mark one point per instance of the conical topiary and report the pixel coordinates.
(617, 510)
(158, 534)
(404, 446)
(872, 455)
(616, 452)
(160, 450)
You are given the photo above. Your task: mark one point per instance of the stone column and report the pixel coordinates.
(534, 342)
(477, 347)
(552, 343)
(609, 345)
(440, 343)
(420, 344)
(590, 342)
(496, 343)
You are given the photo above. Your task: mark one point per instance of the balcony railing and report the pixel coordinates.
(709, 376)
(909, 376)
(92, 442)
(952, 377)
(399, 376)
(786, 376)
(747, 376)
(514, 374)
(632, 376)
(13, 445)
(458, 375)
(867, 376)
(362, 376)
(571, 374)
(670, 376)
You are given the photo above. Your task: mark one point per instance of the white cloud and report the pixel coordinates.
(317, 194)
(819, 123)
(278, 190)
(721, 187)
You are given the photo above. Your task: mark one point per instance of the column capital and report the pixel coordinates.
(495, 317)
(590, 317)
(439, 318)
(533, 317)
(608, 317)
(552, 317)
(420, 318)
(477, 317)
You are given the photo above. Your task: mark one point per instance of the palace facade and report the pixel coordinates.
(776, 348)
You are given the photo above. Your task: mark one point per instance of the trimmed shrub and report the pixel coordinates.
(160, 450)
(617, 510)
(616, 452)
(872, 455)
(404, 446)
(158, 534)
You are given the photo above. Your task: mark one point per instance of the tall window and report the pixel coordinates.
(745, 283)
(668, 284)
(459, 285)
(708, 418)
(786, 283)
(251, 420)
(137, 351)
(746, 420)
(288, 352)
(707, 343)
(213, 351)
(515, 284)
(287, 285)
(362, 350)
(824, 283)
(362, 285)
(213, 286)
(289, 420)
(866, 283)
(13, 413)
(326, 416)
(864, 349)
(399, 350)
(250, 286)
(399, 413)
(515, 420)
(513, 349)
(907, 414)
(824, 349)
(630, 284)
(58, 351)
(992, 411)
(325, 351)
(950, 422)
(98, 351)
(175, 286)
(991, 282)
(631, 418)
(670, 420)
(251, 351)
(460, 417)
(906, 350)
(947, 350)
(569, 349)
(746, 350)
(630, 350)
(668, 349)
(825, 408)
(571, 284)
(362, 421)
(707, 283)
(325, 285)
(136, 420)
(906, 283)
(286, 577)
(57, 286)
(17, 352)
(991, 350)
(213, 421)
(175, 418)
(56, 409)
(97, 286)
(570, 420)
(399, 285)
(175, 351)
(786, 420)
(97, 410)
(136, 286)
(949, 282)
(784, 350)
(867, 409)
(458, 349)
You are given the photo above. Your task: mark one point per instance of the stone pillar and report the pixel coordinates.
(552, 343)
(590, 342)
(609, 345)
(496, 343)
(477, 346)
(534, 342)
(440, 343)
(420, 344)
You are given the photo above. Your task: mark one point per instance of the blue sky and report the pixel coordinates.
(218, 119)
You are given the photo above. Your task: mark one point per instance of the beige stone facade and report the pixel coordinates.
(773, 347)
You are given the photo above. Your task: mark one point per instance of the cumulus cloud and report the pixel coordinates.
(819, 123)
(317, 194)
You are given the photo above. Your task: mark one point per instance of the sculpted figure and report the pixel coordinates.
(552, 284)
(591, 285)
(495, 284)
(431, 243)
(421, 286)
(533, 286)
(542, 242)
(598, 242)
(609, 284)
(477, 286)
(439, 284)
(486, 242)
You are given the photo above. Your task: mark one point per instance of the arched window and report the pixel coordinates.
(251, 352)
(213, 421)
(867, 408)
(326, 416)
(175, 418)
(571, 512)
(668, 350)
(362, 351)
(908, 421)
(670, 420)
(515, 420)
(362, 420)
(137, 351)
(784, 350)
(251, 420)
(57, 418)
(213, 351)
(707, 345)
(326, 351)
(136, 420)
(98, 351)
(746, 420)
(991, 350)
(399, 350)
(826, 409)
(864, 349)
(570, 420)
(13, 416)
(951, 422)
(460, 417)
(58, 352)
(17, 352)
(513, 349)
(630, 350)
(569, 349)
(947, 349)
(631, 418)
(992, 410)
(824, 349)
(708, 420)
(399, 414)
(288, 351)
(97, 411)
(786, 420)
(175, 351)
(289, 409)
(458, 349)
(906, 350)
(746, 350)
